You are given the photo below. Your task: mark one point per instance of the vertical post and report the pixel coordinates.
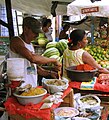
(92, 30)
(53, 26)
(9, 18)
(17, 22)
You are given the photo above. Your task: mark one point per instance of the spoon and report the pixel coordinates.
(59, 75)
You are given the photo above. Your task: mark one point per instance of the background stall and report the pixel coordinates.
(97, 8)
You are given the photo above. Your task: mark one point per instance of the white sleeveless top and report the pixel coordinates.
(30, 69)
(48, 34)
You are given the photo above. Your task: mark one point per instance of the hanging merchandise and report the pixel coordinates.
(15, 69)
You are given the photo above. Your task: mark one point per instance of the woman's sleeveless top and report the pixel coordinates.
(71, 58)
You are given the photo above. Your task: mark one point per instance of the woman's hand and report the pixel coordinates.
(104, 70)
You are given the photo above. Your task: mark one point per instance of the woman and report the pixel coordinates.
(46, 27)
(63, 34)
(75, 55)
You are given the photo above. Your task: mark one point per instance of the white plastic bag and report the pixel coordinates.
(54, 88)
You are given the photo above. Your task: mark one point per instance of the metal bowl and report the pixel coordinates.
(80, 76)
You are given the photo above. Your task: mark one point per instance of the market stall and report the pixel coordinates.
(57, 110)
(30, 111)
(93, 9)
(96, 9)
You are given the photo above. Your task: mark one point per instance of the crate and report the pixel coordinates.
(68, 101)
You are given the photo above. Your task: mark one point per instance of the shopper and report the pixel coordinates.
(47, 29)
(75, 55)
(21, 47)
(63, 34)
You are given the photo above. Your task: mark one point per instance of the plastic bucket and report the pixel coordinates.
(15, 68)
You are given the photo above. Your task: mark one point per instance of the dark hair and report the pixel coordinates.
(66, 26)
(75, 36)
(32, 23)
(45, 22)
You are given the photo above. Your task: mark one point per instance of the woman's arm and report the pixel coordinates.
(88, 59)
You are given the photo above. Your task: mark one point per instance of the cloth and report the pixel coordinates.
(30, 70)
(31, 110)
(71, 58)
(96, 86)
(48, 34)
(88, 85)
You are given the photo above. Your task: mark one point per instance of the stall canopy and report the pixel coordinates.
(40, 7)
(86, 7)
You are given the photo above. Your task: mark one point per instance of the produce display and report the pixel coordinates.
(51, 44)
(40, 40)
(101, 42)
(61, 46)
(51, 51)
(99, 50)
(55, 50)
(100, 54)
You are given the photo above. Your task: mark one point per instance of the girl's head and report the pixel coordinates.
(78, 38)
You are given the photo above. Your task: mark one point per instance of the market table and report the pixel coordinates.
(102, 91)
(91, 88)
(33, 112)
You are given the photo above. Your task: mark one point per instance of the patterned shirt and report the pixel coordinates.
(72, 58)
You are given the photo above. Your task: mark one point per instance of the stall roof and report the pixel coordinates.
(98, 8)
(39, 7)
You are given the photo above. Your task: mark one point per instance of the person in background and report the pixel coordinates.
(75, 55)
(63, 34)
(21, 47)
(47, 29)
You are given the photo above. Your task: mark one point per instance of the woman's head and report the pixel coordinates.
(46, 22)
(66, 27)
(78, 37)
